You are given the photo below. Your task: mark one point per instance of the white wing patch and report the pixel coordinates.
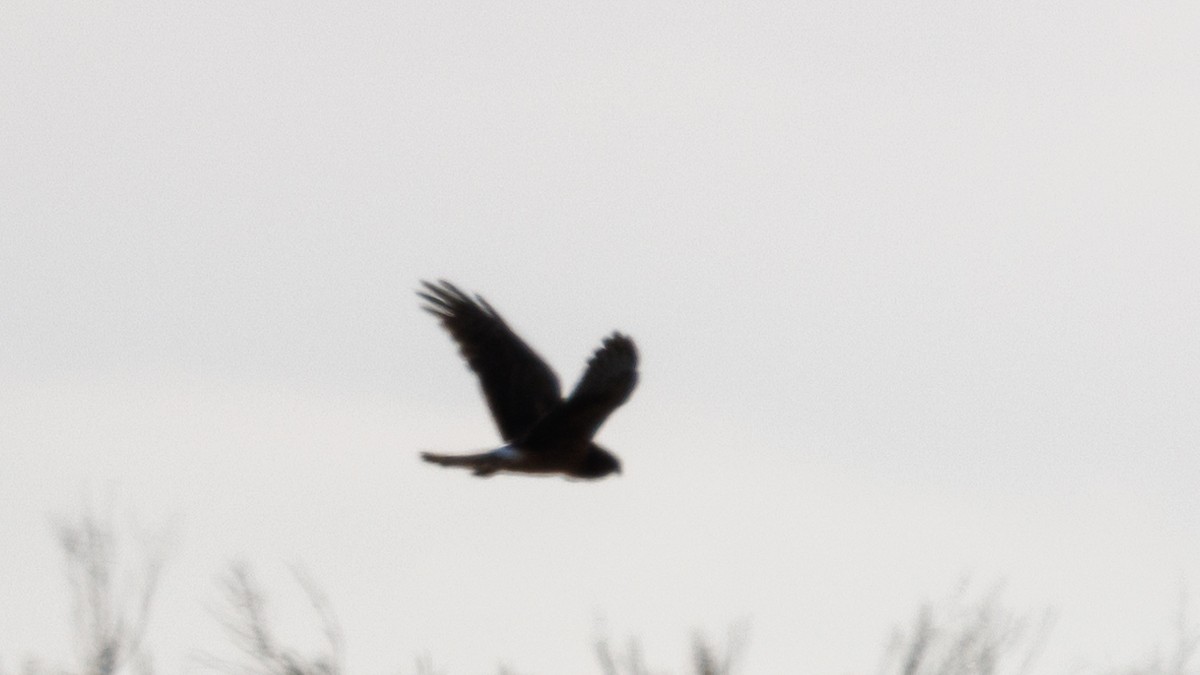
(507, 454)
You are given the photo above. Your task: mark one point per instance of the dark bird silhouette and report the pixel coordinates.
(543, 432)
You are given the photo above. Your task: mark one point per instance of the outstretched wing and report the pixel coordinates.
(607, 383)
(519, 387)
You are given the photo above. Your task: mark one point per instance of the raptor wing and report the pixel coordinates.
(607, 383)
(518, 385)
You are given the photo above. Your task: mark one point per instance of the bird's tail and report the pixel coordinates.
(483, 464)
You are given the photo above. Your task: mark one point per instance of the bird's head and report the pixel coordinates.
(598, 463)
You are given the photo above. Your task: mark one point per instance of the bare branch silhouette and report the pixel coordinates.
(259, 651)
(631, 663)
(964, 638)
(705, 656)
(112, 600)
(111, 606)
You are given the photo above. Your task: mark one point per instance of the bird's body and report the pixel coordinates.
(544, 433)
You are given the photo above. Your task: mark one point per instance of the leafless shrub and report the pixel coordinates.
(967, 638)
(111, 606)
(259, 651)
(706, 658)
(631, 662)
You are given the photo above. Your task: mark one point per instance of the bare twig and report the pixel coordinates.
(705, 658)
(111, 615)
(963, 638)
(259, 652)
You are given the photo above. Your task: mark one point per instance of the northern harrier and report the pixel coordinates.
(543, 433)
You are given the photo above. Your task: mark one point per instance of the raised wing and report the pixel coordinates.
(519, 387)
(607, 383)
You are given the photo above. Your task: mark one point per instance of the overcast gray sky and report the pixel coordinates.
(915, 291)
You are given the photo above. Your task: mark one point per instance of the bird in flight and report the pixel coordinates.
(543, 432)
